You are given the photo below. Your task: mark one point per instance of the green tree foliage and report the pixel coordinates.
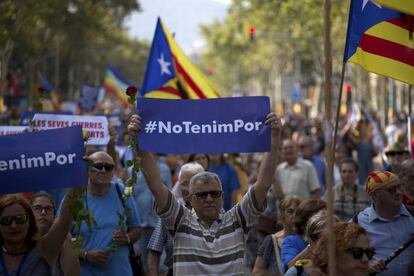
(288, 39)
(69, 42)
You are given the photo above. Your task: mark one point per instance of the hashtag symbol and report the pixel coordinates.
(150, 126)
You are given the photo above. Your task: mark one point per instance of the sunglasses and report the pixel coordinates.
(393, 190)
(213, 194)
(358, 252)
(19, 219)
(39, 209)
(315, 237)
(395, 153)
(97, 167)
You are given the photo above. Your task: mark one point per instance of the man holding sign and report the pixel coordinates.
(210, 242)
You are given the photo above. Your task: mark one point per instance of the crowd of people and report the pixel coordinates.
(229, 214)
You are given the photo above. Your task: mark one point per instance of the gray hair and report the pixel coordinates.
(406, 166)
(191, 167)
(204, 178)
(306, 138)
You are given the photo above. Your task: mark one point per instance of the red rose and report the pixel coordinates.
(40, 90)
(131, 90)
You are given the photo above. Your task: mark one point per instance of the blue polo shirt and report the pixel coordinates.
(387, 235)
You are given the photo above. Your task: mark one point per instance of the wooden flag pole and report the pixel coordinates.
(409, 120)
(329, 147)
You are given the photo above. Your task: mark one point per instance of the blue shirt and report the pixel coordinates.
(143, 196)
(292, 245)
(229, 181)
(320, 168)
(387, 235)
(99, 236)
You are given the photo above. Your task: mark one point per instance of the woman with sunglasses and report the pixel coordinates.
(315, 226)
(23, 251)
(294, 245)
(353, 252)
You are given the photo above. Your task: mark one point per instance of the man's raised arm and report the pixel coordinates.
(270, 161)
(150, 169)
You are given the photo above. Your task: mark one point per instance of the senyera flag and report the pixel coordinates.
(116, 84)
(406, 6)
(170, 74)
(379, 39)
(42, 160)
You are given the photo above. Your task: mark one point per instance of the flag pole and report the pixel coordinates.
(409, 120)
(329, 147)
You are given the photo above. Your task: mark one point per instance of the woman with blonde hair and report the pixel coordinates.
(268, 260)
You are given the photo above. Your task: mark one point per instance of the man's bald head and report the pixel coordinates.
(101, 157)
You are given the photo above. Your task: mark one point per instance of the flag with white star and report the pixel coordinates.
(170, 74)
(406, 6)
(380, 40)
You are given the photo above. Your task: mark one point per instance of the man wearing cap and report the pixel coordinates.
(396, 153)
(388, 222)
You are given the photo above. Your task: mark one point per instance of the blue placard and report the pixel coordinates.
(42, 160)
(225, 125)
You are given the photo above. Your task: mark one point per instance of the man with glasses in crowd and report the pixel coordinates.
(105, 244)
(207, 241)
(388, 222)
(396, 153)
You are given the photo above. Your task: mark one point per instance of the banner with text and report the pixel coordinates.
(224, 125)
(42, 160)
(11, 130)
(96, 126)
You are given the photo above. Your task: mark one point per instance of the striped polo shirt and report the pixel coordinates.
(218, 249)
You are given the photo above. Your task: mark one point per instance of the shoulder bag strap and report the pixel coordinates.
(277, 254)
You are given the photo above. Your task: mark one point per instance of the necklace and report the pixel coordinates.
(13, 254)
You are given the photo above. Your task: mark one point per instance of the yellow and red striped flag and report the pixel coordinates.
(379, 39)
(170, 74)
(406, 6)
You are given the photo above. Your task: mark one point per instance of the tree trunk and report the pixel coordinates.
(7, 51)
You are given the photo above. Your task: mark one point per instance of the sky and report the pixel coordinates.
(180, 16)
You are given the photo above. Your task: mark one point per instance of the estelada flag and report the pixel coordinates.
(116, 84)
(379, 40)
(170, 74)
(406, 6)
